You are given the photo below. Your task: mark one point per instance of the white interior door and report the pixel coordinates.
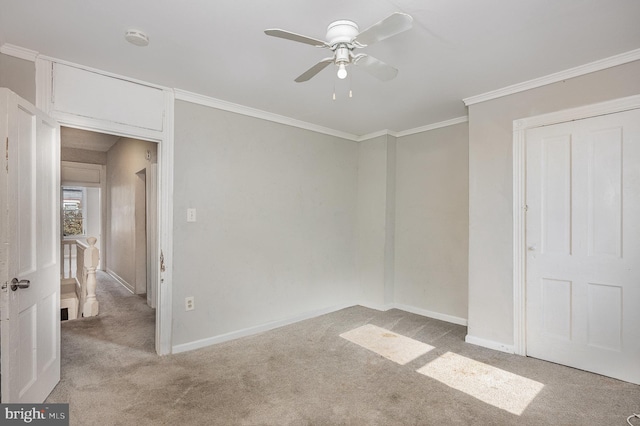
(583, 242)
(30, 333)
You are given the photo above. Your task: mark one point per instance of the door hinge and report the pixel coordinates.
(162, 267)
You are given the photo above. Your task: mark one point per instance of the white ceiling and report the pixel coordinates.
(456, 49)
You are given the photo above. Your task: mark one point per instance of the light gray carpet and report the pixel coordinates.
(303, 374)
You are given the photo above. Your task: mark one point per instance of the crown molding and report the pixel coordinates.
(196, 98)
(578, 113)
(415, 130)
(19, 52)
(385, 132)
(433, 126)
(599, 65)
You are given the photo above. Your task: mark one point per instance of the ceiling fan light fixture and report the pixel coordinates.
(342, 71)
(343, 37)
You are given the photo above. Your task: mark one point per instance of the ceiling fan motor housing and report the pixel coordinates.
(342, 31)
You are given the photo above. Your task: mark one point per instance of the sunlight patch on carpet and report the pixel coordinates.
(393, 346)
(489, 384)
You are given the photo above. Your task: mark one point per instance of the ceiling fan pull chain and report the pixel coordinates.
(350, 92)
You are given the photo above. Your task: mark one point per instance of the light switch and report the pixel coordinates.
(191, 215)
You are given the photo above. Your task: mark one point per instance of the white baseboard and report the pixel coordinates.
(430, 314)
(197, 344)
(121, 280)
(254, 330)
(375, 306)
(490, 344)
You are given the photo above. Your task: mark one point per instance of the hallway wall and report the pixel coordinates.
(124, 160)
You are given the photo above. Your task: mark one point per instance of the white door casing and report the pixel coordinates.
(137, 110)
(30, 326)
(152, 230)
(583, 245)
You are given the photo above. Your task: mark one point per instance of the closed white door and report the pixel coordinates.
(29, 202)
(583, 244)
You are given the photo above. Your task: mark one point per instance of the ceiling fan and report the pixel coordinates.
(343, 37)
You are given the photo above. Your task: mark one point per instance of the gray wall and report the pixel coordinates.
(375, 224)
(491, 193)
(275, 230)
(432, 206)
(126, 158)
(19, 76)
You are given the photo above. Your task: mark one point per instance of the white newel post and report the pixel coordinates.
(91, 257)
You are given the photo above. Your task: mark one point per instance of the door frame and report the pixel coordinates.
(164, 184)
(520, 127)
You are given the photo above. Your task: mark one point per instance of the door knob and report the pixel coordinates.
(15, 284)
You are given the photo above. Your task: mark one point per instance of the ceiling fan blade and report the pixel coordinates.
(295, 37)
(388, 27)
(311, 72)
(375, 67)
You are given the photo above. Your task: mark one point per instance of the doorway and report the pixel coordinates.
(145, 230)
(577, 275)
(129, 216)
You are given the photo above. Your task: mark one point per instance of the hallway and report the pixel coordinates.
(124, 320)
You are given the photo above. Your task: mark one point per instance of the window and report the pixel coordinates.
(73, 211)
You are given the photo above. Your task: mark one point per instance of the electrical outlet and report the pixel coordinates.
(189, 303)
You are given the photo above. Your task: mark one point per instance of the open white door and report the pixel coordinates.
(583, 244)
(29, 204)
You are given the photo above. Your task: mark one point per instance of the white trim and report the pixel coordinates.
(120, 280)
(415, 130)
(578, 113)
(197, 344)
(519, 193)
(101, 72)
(385, 132)
(519, 240)
(164, 220)
(490, 344)
(433, 126)
(164, 313)
(255, 330)
(96, 125)
(19, 52)
(430, 314)
(183, 95)
(375, 306)
(44, 84)
(598, 65)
